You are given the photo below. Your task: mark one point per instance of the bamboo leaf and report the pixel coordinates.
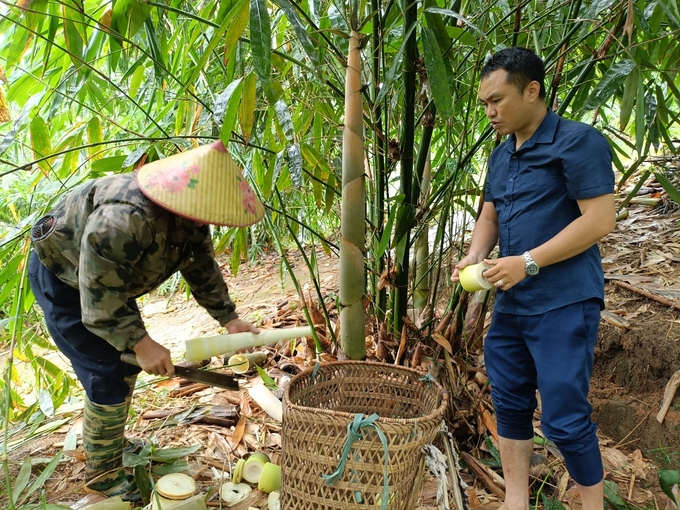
(459, 17)
(260, 38)
(39, 482)
(106, 165)
(668, 186)
(597, 7)
(330, 192)
(285, 120)
(136, 81)
(40, 142)
(238, 25)
(18, 46)
(300, 31)
(73, 38)
(22, 480)
(436, 72)
(218, 37)
(226, 109)
(628, 99)
(247, 108)
(294, 157)
(610, 83)
(667, 479)
(640, 116)
(70, 161)
(395, 68)
(437, 25)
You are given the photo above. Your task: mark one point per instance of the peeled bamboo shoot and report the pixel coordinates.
(206, 347)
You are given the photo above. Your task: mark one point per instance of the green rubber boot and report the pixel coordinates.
(132, 445)
(103, 438)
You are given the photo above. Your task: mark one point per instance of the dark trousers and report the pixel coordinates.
(551, 352)
(96, 362)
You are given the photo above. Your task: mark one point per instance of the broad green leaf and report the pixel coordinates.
(46, 403)
(136, 81)
(437, 25)
(179, 115)
(22, 480)
(394, 69)
(223, 99)
(640, 115)
(300, 31)
(70, 161)
(612, 495)
(95, 135)
(106, 165)
(238, 249)
(294, 157)
(667, 479)
(436, 72)
(157, 52)
(216, 39)
(40, 142)
(135, 156)
(387, 232)
(172, 454)
(20, 40)
(238, 25)
(628, 99)
(39, 482)
(260, 38)
(228, 103)
(35, 13)
(610, 83)
(597, 7)
(285, 120)
(459, 17)
(668, 186)
(247, 107)
(330, 192)
(73, 38)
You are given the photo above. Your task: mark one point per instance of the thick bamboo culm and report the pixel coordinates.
(320, 404)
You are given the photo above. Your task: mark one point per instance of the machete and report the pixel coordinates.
(202, 376)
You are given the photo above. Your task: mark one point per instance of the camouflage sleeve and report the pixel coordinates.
(207, 284)
(113, 241)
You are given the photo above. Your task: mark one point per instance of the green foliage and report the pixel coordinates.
(93, 88)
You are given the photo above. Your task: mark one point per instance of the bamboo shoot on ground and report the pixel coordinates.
(206, 347)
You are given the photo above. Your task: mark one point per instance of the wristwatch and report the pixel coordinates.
(530, 266)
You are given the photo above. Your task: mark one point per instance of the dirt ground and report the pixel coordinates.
(637, 355)
(639, 346)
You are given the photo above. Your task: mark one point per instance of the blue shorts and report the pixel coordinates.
(551, 353)
(96, 362)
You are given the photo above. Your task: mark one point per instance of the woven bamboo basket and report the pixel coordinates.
(321, 405)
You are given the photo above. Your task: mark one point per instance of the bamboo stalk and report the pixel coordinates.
(353, 215)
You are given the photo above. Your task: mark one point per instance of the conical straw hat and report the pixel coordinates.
(202, 184)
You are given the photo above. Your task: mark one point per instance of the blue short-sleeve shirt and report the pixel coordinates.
(534, 190)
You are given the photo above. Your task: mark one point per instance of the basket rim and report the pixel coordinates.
(440, 410)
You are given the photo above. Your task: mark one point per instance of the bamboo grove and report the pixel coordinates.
(358, 124)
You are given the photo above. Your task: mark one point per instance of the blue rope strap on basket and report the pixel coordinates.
(354, 434)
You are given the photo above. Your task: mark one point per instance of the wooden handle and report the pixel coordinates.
(129, 358)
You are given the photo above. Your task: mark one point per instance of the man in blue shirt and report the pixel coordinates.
(548, 201)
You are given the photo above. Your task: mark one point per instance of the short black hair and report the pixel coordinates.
(522, 65)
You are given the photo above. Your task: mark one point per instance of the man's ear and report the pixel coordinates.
(533, 89)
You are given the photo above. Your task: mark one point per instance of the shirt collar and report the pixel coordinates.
(544, 134)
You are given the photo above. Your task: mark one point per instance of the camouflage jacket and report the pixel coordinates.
(114, 245)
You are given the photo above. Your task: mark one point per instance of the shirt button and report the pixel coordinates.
(510, 179)
(514, 156)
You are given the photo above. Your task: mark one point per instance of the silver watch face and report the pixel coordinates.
(531, 268)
